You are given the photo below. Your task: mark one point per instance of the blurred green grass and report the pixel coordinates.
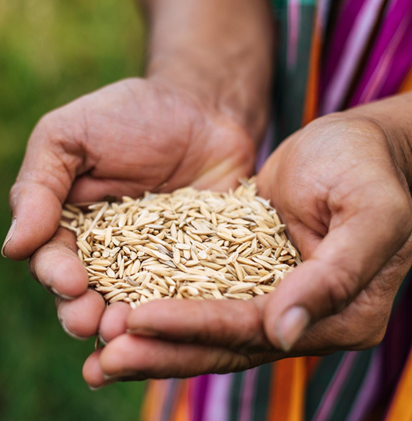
(50, 53)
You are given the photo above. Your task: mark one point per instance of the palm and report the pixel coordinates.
(138, 136)
(317, 190)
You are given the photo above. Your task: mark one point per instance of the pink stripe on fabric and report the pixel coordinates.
(368, 392)
(336, 385)
(377, 80)
(348, 62)
(266, 146)
(217, 402)
(323, 13)
(394, 33)
(248, 393)
(293, 32)
(342, 28)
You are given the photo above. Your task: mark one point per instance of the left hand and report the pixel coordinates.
(347, 206)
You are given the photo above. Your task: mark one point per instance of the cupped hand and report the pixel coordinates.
(346, 203)
(129, 137)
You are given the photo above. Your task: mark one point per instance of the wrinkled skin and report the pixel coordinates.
(127, 138)
(335, 183)
(348, 209)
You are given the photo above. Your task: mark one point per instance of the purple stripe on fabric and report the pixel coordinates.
(248, 393)
(348, 13)
(336, 385)
(402, 61)
(323, 13)
(170, 394)
(372, 89)
(266, 146)
(352, 53)
(198, 399)
(390, 38)
(293, 32)
(369, 390)
(217, 402)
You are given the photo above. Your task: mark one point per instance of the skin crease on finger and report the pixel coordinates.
(81, 317)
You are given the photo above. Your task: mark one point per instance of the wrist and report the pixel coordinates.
(224, 62)
(219, 87)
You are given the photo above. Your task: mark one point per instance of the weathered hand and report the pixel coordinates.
(132, 136)
(347, 205)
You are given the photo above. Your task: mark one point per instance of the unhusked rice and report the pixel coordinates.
(187, 244)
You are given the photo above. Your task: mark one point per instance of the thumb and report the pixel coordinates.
(44, 180)
(357, 246)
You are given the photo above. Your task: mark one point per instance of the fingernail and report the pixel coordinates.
(102, 341)
(117, 377)
(291, 327)
(8, 237)
(62, 296)
(143, 331)
(93, 389)
(72, 335)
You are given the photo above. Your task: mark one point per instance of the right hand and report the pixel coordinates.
(133, 136)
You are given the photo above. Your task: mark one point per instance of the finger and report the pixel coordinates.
(57, 267)
(143, 358)
(364, 234)
(92, 372)
(232, 324)
(114, 321)
(80, 318)
(45, 178)
(343, 331)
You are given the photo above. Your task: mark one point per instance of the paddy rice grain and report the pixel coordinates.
(187, 244)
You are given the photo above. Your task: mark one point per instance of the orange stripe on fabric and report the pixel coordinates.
(401, 408)
(288, 390)
(312, 88)
(182, 408)
(407, 84)
(153, 401)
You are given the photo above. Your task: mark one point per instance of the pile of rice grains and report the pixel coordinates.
(187, 244)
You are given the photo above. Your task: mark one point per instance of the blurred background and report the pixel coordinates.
(51, 52)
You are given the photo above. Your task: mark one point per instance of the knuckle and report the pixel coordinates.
(13, 194)
(48, 125)
(63, 127)
(402, 209)
(369, 340)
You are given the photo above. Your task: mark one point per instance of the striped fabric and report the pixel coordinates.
(332, 55)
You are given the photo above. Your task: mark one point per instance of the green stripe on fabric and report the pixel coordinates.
(235, 395)
(402, 288)
(291, 82)
(262, 392)
(285, 3)
(355, 379)
(320, 381)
